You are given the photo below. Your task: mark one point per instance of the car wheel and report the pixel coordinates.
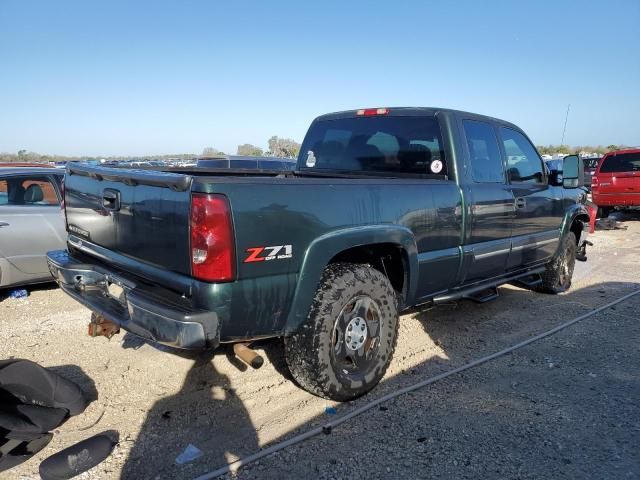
(603, 212)
(557, 276)
(344, 348)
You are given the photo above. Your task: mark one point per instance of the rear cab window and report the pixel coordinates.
(622, 162)
(393, 145)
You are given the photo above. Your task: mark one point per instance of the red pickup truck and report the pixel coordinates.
(616, 182)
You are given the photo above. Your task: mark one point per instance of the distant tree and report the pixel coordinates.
(613, 147)
(250, 150)
(283, 147)
(212, 152)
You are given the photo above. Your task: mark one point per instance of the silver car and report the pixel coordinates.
(31, 223)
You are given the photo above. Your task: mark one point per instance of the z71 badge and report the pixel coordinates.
(261, 254)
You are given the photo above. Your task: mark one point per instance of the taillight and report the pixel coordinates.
(367, 112)
(594, 182)
(212, 252)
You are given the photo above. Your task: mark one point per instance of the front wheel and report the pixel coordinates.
(557, 276)
(344, 348)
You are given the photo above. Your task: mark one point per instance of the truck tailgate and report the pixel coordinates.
(142, 214)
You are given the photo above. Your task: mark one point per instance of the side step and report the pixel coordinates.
(479, 289)
(483, 296)
(529, 282)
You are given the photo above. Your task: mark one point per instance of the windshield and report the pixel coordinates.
(625, 162)
(392, 144)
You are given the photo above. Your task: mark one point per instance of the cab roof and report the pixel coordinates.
(414, 111)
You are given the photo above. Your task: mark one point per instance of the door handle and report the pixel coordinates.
(3, 224)
(111, 199)
(521, 202)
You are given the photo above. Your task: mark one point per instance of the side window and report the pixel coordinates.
(523, 162)
(4, 192)
(27, 190)
(484, 153)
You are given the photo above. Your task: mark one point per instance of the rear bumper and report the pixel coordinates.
(616, 199)
(135, 311)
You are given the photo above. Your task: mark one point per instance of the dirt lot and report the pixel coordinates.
(565, 407)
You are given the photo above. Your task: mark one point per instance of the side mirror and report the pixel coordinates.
(572, 172)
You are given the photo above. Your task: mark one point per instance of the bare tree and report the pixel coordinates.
(250, 150)
(212, 152)
(283, 147)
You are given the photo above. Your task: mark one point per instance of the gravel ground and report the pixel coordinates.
(563, 407)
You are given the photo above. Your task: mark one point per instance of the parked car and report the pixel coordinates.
(238, 162)
(616, 182)
(590, 166)
(387, 209)
(31, 223)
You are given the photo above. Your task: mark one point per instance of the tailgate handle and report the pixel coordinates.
(111, 199)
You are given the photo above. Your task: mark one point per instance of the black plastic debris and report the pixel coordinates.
(33, 401)
(79, 458)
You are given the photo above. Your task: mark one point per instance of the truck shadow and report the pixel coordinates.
(206, 413)
(209, 414)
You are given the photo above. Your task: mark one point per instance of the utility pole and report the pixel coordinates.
(565, 124)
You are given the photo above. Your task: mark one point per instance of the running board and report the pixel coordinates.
(530, 281)
(474, 290)
(483, 296)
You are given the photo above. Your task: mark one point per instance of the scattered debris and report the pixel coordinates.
(79, 458)
(190, 454)
(18, 293)
(609, 223)
(330, 410)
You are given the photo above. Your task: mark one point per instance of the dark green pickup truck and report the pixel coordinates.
(386, 210)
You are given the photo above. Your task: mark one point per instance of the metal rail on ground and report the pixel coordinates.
(234, 466)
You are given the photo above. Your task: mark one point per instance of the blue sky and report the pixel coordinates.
(133, 78)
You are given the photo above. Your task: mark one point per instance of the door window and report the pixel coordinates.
(27, 190)
(484, 153)
(524, 165)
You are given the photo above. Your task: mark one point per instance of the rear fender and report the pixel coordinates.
(324, 248)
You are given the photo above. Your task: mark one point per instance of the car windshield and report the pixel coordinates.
(385, 144)
(622, 162)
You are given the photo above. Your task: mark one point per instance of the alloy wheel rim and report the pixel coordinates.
(356, 336)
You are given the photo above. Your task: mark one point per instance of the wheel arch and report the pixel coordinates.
(351, 245)
(576, 219)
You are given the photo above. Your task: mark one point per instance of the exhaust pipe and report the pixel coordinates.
(101, 327)
(248, 356)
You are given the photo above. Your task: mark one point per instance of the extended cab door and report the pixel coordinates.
(538, 207)
(489, 203)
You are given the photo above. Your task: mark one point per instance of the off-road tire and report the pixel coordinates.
(557, 276)
(311, 350)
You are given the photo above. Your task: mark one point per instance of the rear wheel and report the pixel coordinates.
(558, 273)
(344, 348)
(603, 212)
